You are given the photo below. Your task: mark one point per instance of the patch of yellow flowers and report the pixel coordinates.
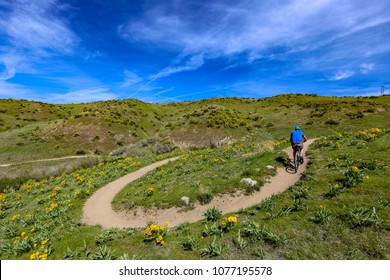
(156, 233)
(228, 223)
(355, 169)
(150, 191)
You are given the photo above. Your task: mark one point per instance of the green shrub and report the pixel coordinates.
(214, 249)
(362, 216)
(205, 198)
(104, 253)
(321, 216)
(212, 214)
(190, 243)
(104, 237)
(332, 122)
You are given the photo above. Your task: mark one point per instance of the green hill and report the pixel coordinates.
(31, 130)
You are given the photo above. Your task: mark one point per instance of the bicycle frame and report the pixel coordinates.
(297, 152)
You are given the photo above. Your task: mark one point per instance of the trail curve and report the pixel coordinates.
(98, 209)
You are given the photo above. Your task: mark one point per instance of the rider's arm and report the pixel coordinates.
(304, 138)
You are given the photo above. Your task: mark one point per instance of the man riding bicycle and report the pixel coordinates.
(297, 137)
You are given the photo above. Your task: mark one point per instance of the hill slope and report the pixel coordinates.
(32, 130)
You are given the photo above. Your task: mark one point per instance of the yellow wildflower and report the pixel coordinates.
(376, 130)
(45, 241)
(34, 256)
(14, 217)
(355, 169)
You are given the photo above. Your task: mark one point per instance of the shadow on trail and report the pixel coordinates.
(287, 163)
(290, 167)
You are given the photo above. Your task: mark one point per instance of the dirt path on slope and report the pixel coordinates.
(41, 160)
(98, 209)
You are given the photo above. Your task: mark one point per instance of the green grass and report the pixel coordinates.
(15, 175)
(286, 226)
(199, 175)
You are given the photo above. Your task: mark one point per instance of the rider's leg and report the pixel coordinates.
(292, 146)
(301, 155)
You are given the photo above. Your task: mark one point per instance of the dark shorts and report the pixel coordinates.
(297, 146)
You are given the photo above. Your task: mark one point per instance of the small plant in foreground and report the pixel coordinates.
(150, 191)
(334, 190)
(321, 216)
(104, 253)
(10, 230)
(267, 204)
(208, 231)
(212, 214)
(190, 243)
(362, 216)
(297, 205)
(104, 237)
(205, 198)
(71, 255)
(154, 232)
(259, 252)
(228, 223)
(300, 192)
(273, 214)
(254, 231)
(214, 249)
(239, 241)
(353, 176)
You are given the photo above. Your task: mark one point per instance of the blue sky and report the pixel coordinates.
(73, 51)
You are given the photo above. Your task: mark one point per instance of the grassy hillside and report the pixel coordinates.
(30, 130)
(339, 210)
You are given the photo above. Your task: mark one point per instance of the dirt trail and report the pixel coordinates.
(41, 160)
(98, 209)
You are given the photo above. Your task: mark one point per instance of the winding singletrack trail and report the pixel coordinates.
(42, 160)
(98, 210)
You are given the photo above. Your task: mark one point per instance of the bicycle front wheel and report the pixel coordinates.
(296, 161)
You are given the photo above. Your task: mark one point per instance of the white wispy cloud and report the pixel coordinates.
(191, 63)
(11, 62)
(130, 78)
(30, 26)
(32, 34)
(366, 68)
(251, 26)
(80, 96)
(341, 75)
(258, 29)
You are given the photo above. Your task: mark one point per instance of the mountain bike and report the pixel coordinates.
(297, 160)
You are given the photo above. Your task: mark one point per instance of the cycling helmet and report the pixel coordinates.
(297, 127)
